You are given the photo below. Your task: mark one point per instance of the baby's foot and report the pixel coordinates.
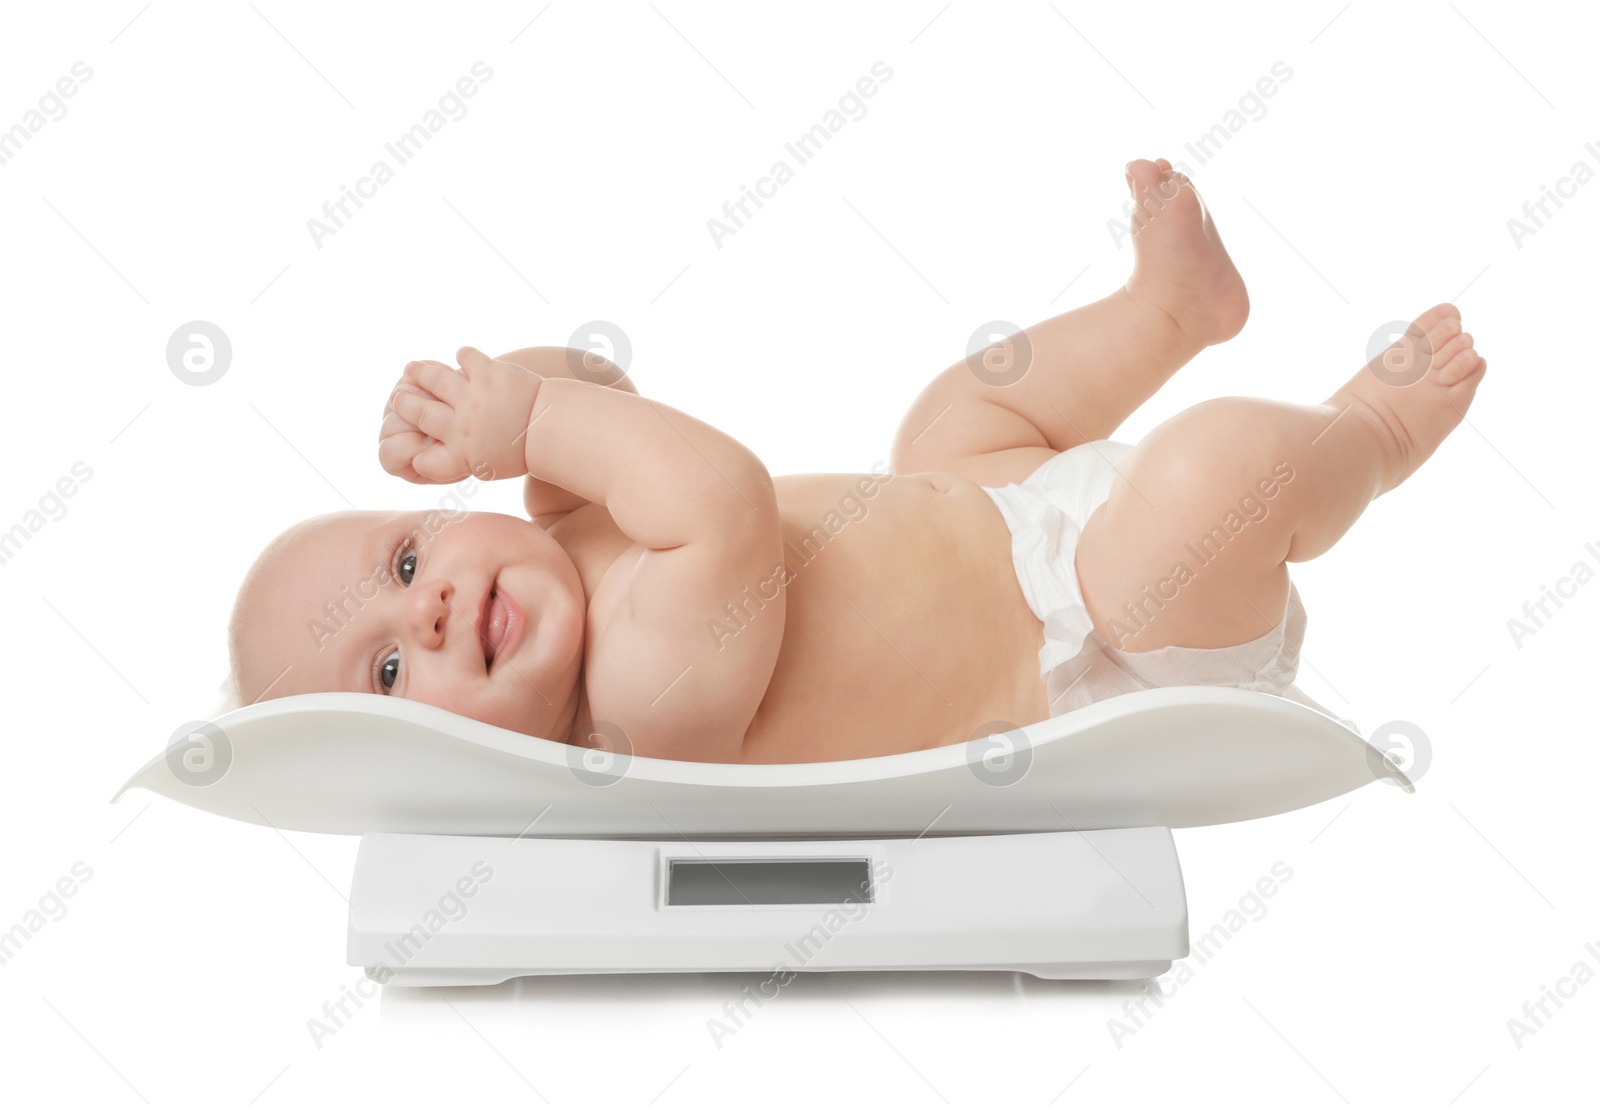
(1417, 390)
(1180, 265)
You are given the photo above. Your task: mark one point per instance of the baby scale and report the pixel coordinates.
(487, 855)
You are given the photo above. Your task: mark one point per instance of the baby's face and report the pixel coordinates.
(391, 603)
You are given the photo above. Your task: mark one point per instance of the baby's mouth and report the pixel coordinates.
(488, 647)
(484, 635)
(500, 625)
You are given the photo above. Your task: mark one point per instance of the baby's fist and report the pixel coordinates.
(443, 424)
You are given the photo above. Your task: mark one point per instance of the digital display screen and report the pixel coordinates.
(699, 881)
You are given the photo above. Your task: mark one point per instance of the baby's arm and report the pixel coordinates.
(546, 503)
(703, 507)
(698, 503)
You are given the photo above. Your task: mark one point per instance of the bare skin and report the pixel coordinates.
(731, 616)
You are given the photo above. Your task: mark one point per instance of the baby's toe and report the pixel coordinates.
(1441, 316)
(1445, 351)
(1442, 332)
(1143, 175)
(1463, 364)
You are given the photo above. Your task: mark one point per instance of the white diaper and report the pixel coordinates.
(1046, 515)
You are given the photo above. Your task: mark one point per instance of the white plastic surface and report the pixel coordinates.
(355, 763)
(464, 910)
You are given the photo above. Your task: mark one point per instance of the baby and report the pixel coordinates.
(669, 598)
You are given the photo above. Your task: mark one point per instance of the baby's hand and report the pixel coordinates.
(442, 424)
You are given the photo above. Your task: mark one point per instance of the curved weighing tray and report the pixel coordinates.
(353, 763)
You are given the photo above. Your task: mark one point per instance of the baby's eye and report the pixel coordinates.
(388, 668)
(388, 671)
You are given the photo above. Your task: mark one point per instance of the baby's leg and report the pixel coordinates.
(1190, 548)
(1090, 368)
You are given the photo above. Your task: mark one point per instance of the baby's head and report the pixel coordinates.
(390, 603)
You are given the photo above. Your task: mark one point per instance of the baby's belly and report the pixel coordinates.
(904, 628)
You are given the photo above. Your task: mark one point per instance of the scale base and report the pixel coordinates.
(440, 910)
(410, 977)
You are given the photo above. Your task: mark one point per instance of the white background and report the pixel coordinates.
(978, 186)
